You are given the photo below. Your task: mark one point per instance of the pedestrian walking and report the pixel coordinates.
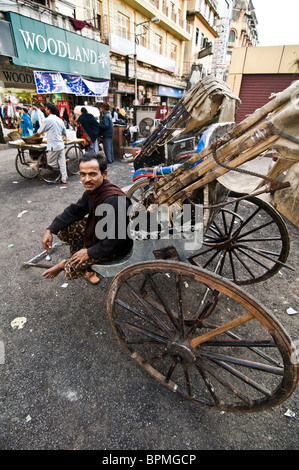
(55, 129)
(88, 123)
(106, 131)
(37, 117)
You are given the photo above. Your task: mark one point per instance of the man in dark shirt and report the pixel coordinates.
(96, 237)
(91, 127)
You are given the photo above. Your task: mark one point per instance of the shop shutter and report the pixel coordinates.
(256, 90)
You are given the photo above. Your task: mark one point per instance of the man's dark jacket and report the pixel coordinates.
(90, 125)
(107, 193)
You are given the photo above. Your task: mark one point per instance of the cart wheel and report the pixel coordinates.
(246, 242)
(233, 356)
(140, 191)
(72, 156)
(24, 165)
(46, 172)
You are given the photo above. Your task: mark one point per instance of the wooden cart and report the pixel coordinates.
(31, 160)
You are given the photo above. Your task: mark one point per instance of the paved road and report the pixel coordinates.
(65, 381)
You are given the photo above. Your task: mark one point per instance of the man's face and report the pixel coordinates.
(91, 176)
(47, 111)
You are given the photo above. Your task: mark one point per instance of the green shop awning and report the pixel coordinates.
(43, 46)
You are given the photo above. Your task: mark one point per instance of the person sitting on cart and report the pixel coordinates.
(55, 129)
(87, 245)
(88, 123)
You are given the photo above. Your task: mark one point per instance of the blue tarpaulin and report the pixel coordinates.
(56, 82)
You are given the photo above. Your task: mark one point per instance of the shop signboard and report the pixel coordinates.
(117, 67)
(43, 46)
(124, 46)
(172, 92)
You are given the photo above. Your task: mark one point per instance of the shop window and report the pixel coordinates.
(232, 36)
(158, 44)
(173, 51)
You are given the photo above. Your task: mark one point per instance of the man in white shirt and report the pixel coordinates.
(55, 129)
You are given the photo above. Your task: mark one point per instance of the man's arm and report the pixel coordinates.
(72, 213)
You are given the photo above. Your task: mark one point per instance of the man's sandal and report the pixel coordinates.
(92, 278)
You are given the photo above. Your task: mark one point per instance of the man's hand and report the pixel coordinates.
(80, 256)
(47, 240)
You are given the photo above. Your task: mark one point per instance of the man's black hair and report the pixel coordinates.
(83, 110)
(52, 108)
(100, 157)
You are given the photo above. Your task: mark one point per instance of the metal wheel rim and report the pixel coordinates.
(46, 173)
(72, 160)
(23, 167)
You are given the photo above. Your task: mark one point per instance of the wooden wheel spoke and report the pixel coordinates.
(242, 249)
(209, 385)
(256, 229)
(221, 329)
(226, 384)
(252, 345)
(150, 311)
(170, 371)
(187, 380)
(244, 378)
(144, 331)
(164, 303)
(136, 313)
(243, 362)
(243, 264)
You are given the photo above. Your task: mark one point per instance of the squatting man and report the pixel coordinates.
(97, 227)
(77, 224)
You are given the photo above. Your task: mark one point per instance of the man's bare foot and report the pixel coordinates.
(54, 271)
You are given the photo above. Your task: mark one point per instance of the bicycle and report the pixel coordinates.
(31, 161)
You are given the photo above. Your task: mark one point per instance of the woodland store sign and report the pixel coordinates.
(16, 77)
(43, 46)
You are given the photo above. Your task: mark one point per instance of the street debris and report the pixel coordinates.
(291, 311)
(18, 322)
(22, 213)
(290, 414)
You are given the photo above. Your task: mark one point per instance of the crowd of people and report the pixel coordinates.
(94, 132)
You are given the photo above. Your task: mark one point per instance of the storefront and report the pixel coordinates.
(156, 77)
(53, 64)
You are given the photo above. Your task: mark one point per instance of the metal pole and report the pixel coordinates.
(135, 64)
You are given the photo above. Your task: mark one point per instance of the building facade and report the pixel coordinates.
(202, 16)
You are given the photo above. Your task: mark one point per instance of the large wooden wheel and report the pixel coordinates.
(201, 336)
(246, 242)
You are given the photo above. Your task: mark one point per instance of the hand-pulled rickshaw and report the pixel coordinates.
(177, 304)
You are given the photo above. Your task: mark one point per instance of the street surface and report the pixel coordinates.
(66, 383)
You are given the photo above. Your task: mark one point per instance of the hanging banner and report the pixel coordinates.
(55, 82)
